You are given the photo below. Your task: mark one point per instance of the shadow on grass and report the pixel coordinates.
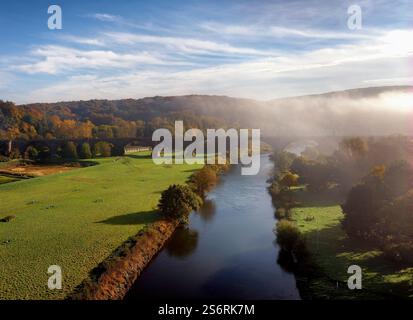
(332, 253)
(319, 199)
(144, 217)
(88, 163)
(82, 163)
(139, 156)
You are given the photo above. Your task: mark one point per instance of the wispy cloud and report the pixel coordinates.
(57, 59)
(274, 31)
(184, 45)
(106, 17)
(83, 40)
(122, 21)
(391, 81)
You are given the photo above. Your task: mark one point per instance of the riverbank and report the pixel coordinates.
(113, 278)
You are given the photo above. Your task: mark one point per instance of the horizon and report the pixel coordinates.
(261, 51)
(390, 87)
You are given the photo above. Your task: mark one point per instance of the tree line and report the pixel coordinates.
(67, 150)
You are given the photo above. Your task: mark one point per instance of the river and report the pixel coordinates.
(227, 251)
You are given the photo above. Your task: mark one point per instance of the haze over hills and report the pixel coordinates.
(364, 111)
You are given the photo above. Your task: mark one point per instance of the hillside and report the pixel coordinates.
(365, 111)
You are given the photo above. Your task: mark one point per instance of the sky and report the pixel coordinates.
(251, 49)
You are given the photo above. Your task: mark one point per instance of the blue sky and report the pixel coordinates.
(252, 49)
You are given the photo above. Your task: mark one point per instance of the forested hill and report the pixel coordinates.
(359, 111)
(120, 118)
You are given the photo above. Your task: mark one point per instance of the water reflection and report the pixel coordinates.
(286, 261)
(207, 211)
(183, 242)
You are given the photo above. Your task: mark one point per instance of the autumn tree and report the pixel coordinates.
(378, 171)
(289, 180)
(204, 180)
(178, 201)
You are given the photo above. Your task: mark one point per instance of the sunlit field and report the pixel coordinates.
(75, 220)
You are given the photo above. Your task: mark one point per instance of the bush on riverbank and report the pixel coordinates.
(284, 200)
(178, 201)
(204, 180)
(293, 256)
(288, 235)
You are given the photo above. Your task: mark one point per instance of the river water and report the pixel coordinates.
(228, 249)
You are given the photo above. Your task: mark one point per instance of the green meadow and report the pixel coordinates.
(75, 220)
(333, 252)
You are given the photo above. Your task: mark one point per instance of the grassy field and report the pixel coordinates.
(333, 252)
(75, 220)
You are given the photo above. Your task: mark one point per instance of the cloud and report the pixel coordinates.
(392, 81)
(129, 50)
(83, 40)
(123, 22)
(184, 45)
(57, 59)
(273, 31)
(106, 17)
